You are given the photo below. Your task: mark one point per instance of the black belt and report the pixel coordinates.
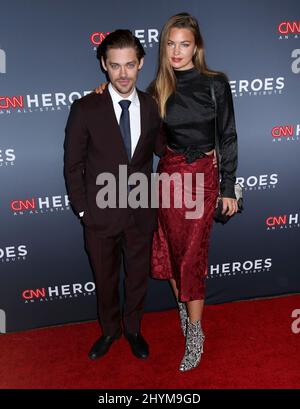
(191, 153)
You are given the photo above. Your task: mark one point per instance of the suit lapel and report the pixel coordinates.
(144, 122)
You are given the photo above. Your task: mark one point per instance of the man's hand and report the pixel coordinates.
(101, 88)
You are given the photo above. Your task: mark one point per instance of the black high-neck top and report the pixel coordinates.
(190, 121)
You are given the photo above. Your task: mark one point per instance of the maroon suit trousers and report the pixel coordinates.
(105, 255)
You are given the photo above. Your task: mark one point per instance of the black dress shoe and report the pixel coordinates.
(138, 345)
(102, 345)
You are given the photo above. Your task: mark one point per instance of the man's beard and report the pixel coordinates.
(124, 89)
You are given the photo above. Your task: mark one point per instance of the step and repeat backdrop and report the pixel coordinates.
(47, 60)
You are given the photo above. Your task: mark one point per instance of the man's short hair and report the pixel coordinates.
(120, 39)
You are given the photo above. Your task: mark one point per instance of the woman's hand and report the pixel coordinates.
(229, 205)
(101, 88)
(215, 160)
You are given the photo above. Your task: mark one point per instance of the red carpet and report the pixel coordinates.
(249, 344)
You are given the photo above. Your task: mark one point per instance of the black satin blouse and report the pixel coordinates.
(190, 121)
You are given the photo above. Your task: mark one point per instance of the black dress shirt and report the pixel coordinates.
(190, 122)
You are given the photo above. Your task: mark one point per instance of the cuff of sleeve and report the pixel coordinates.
(78, 206)
(81, 214)
(227, 190)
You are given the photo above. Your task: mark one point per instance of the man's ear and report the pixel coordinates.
(141, 63)
(103, 64)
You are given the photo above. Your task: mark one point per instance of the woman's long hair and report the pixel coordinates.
(165, 83)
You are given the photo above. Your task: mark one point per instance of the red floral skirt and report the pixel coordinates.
(180, 245)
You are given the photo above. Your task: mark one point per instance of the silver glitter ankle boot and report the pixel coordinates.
(183, 316)
(193, 346)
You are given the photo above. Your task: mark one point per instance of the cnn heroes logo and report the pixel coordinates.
(282, 222)
(40, 205)
(258, 182)
(58, 292)
(285, 133)
(237, 268)
(9, 254)
(289, 30)
(257, 86)
(148, 37)
(38, 102)
(7, 157)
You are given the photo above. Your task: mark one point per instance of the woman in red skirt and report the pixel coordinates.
(182, 89)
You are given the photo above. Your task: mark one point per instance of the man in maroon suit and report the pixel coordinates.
(119, 127)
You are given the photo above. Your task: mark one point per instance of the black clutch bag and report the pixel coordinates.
(223, 218)
(218, 216)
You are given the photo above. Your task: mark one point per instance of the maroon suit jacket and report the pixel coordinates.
(94, 144)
